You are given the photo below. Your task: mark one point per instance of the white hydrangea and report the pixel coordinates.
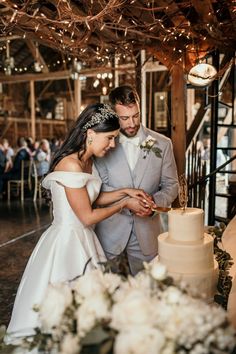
(111, 282)
(70, 344)
(91, 311)
(57, 298)
(89, 285)
(145, 314)
(139, 340)
(134, 309)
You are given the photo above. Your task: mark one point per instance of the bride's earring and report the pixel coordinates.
(90, 140)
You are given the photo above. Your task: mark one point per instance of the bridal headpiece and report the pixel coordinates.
(105, 113)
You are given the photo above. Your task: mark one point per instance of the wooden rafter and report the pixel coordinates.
(37, 56)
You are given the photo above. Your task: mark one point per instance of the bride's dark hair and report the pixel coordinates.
(99, 117)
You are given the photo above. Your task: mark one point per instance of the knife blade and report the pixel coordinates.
(161, 209)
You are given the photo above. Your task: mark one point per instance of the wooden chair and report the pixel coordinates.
(24, 181)
(37, 182)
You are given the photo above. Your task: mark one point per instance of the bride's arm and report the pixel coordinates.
(80, 204)
(106, 198)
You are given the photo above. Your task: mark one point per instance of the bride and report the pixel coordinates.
(70, 243)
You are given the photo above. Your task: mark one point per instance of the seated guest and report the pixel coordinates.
(43, 157)
(2, 160)
(30, 145)
(15, 171)
(36, 145)
(9, 153)
(54, 145)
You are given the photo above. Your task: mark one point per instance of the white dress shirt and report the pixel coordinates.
(132, 149)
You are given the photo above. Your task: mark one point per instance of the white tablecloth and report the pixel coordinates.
(229, 244)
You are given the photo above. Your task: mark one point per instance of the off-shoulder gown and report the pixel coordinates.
(61, 252)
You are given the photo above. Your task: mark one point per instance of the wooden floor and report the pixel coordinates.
(20, 227)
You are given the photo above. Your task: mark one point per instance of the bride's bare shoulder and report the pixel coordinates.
(69, 164)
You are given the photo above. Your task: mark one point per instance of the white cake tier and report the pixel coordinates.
(186, 225)
(204, 284)
(186, 257)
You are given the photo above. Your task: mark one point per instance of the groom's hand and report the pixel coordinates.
(149, 206)
(140, 207)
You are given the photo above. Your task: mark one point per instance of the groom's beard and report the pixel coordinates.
(130, 131)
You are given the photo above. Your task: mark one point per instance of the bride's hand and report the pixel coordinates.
(142, 196)
(139, 207)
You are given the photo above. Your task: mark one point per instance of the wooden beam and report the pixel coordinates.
(32, 110)
(178, 114)
(5, 129)
(36, 55)
(173, 12)
(61, 75)
(16, 132)
(205, 11)
(143, 89)
(9, 38)
(151, 66)
(196, 124)
(77, 93)
(56, 75)
(39, 120)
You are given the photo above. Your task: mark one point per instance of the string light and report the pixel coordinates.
(66, 32)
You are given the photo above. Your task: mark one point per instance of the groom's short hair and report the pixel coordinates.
(124, 95)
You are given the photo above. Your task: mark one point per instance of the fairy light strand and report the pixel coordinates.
(75, 33)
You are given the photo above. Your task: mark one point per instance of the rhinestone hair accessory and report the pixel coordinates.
(104, 114)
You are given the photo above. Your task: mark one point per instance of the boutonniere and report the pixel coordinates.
(148, 145)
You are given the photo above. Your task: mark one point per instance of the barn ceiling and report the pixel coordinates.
(94, 32)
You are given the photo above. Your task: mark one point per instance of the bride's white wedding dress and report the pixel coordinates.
(60, 254)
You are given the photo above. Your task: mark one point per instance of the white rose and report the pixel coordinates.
(70, 344)
(91, 311)
(143, 144)
(173, 295)
(134, 309)
(139, 340)
(57, 298)
(89, 284)
(158, 271)
(150, 143)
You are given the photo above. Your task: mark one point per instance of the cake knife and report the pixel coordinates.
(161, 209)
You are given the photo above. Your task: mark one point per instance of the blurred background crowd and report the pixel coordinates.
(26, 150)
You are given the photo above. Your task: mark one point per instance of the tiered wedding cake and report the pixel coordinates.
(188, 252)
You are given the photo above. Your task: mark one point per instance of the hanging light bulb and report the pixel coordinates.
(202, 74)
(37, 65)
(77, 65)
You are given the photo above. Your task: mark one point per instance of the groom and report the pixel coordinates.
(142, 159)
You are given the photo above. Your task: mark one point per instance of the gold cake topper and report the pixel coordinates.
(183, 192)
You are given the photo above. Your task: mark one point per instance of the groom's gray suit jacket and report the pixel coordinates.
(156, 176)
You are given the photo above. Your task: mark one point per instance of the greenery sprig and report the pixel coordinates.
(225, 262)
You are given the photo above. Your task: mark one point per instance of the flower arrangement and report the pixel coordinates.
(148, 145)
(143, 314)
